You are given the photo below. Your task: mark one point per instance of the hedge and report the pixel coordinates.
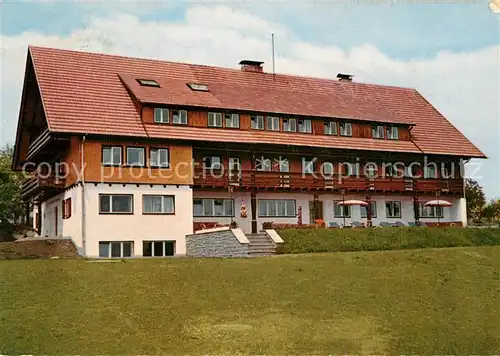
(391, 238)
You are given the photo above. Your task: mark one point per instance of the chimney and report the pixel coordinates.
(251, 66)
(345, 77)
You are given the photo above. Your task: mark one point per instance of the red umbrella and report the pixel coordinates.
(440, 203)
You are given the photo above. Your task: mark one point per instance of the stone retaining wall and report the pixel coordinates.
(221, 243)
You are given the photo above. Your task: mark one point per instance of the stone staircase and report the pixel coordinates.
(260, 245)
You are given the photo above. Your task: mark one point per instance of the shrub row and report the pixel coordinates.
(333, 240)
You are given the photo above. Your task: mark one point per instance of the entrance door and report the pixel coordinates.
(315, 212)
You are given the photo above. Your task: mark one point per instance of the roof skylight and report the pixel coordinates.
(198, 87)
(148, 83)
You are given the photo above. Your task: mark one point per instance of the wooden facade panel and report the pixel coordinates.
(73, 161)
(180, 171)
(245, 123)
(318, 127)
(197, 118)
(148, 115)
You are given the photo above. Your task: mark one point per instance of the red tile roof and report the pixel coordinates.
(87, 93)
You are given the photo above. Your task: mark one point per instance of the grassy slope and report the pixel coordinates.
(440, 301)
(333, 240)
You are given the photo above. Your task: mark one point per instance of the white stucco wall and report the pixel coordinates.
(138, 227)
(303, 199)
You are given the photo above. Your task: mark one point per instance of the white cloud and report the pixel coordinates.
(463, 86)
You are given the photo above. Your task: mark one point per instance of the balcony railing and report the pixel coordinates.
(298, 181)
(39, 183)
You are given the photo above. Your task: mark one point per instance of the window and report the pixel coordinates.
(158, 204)
(341, 211)
(277, 208)
(305, 126)
(283, 165)
(373, 210)
(135, 156)
(392, 133)
(389, 170)
(158, 157)
(307, 165)
(109, 249)
(430, 171)
(66, 208)
(161, 116)
(180, 117)
(347, 168)
(430, 211)
(290, 125)
(327, 169)
(115, 204)
(158, 248)
(213, 207)
(212, 162)
(198, 87)
(371, 170)
(330, 128)
(273, 123)
(378, 131)
(148, 83)
(257, 122)
(393, 209)
(234, 164)
(232, 120)
(215, 119)
(263, 164)
(112, 156)
(345, 129)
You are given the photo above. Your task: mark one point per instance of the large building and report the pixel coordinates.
(132, 155)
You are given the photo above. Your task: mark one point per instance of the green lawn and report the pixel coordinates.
(434, 301)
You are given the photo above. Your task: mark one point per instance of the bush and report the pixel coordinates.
(333, 240)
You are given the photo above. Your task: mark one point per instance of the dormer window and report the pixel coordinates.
(161, 116)
(289, 125)
(179, 117)
(215, 119)
(148, 83)
(305, 126)
(330, 128)
(198, 87)
(392, 132)
(378, 131)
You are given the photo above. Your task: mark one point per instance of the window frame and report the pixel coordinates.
(304, 126)
(148, 83)
(328, 124)
(131, 212)
(127, 164)
(110, 243)
(345, 124)
(373, 211)
(312, 164)
(343, 210)
(221, 163)
(203, 215)
(232, 115)
(66, 208)
(273, 119)
(164, 247)
(376, 130)
(215, 114)
(390, 131)
(162, 196)
(422, 208)
(255, 119)
(180, 111)
(276, 201)
(161, 109)
(287, 120)
(400, 209)
(151, 149)
(112, 164)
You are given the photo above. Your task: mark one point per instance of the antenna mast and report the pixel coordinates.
(274, 67)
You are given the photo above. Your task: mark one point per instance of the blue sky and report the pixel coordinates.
(448, 51)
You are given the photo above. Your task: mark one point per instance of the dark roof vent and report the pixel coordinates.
(251, 66)
(345, 77)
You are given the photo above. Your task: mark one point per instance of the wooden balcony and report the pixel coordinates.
(40, 183)
(308, 182)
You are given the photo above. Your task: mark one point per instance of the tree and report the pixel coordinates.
(475, 199)
(491, 211)
(11, 205)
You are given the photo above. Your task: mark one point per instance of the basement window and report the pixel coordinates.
(197, 86)
(148, 83)
(158, 248)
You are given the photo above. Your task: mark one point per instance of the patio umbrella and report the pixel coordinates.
(440, 203)
(351, 202)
